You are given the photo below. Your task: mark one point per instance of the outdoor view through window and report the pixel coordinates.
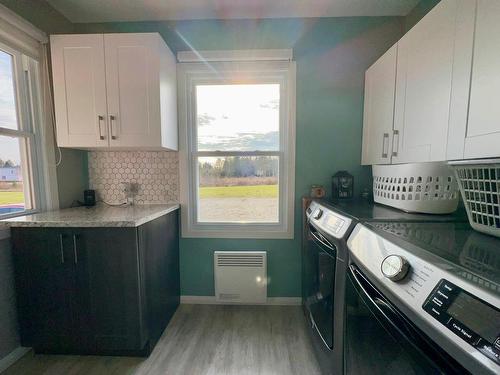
(12, 195)
(237, 154)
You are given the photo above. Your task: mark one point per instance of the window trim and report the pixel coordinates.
(191, 74)
(20, 34)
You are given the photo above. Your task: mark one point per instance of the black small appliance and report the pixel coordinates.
(342, 185)
(89, 197)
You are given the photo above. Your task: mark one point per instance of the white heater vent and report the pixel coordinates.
(240, 260)
(240, 276)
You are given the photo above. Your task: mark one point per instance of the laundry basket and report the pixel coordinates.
(479, 182)
(419, 187)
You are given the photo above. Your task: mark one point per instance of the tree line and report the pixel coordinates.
(241, 166)
(7, 164)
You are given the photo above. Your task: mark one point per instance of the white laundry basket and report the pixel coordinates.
(479, 182)
(418, 187)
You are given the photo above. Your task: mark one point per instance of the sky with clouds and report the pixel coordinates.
(9, 147)
(238, 117)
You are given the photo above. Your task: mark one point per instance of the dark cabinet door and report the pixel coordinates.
(96, 290)
(159, 246)
(45, 278)
(110, 314)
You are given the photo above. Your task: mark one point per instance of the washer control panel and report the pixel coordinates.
(451, 309)
(328, 220)
(333, 223)
(473, 320)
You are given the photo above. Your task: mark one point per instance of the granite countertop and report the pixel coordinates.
(100, 215)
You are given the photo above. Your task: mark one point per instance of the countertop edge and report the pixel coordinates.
(89, 224)
(157, 215)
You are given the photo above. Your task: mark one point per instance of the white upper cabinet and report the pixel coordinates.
(428, 118)
(380, 83)
(122, 90)
(481, 138)
(427, 55)
(80, 90)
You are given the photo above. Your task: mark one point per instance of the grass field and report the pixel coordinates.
(253, 191)
(11, 197)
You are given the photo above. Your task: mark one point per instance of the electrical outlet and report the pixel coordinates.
(130, 190)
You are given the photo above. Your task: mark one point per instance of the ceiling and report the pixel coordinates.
(79, 11)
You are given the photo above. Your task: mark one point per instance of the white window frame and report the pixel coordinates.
(42, 192)
(189, 76)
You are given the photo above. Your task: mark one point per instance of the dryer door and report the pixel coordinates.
(320, 301)
(381, 340)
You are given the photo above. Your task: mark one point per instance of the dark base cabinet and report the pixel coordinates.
(96, 290)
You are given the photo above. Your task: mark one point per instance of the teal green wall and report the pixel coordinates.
(283, 264)
(417, 13)
(72, 176)
(332, 55)
(41, 14)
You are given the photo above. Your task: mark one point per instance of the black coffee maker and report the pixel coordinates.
(342, 186)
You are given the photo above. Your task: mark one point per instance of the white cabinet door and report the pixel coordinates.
(423, 86)
(133, 87)
(79, 90)
(380, 83)
(483, 130)
(462, 65)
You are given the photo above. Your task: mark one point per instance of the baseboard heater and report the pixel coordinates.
(240, 276)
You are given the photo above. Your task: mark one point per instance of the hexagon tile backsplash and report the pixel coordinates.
(156, 172)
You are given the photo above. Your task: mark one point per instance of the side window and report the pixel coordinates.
(17, 192)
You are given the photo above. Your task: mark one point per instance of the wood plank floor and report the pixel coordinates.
(204, 340)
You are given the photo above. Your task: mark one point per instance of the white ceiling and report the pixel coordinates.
(154, 10)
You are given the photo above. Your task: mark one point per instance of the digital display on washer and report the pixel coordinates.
(475, 314)
(334, 223)
(474, 321)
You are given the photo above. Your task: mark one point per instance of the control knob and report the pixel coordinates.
(318, 214)
(395, 267)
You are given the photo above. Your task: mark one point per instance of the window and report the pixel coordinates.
(237, 149)
(18, 192)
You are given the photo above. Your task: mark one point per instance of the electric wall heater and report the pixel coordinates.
(240, 276)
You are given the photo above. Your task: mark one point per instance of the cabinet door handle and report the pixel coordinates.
(75, 251)
(395, 141)
(385, 145)
(112, 119)
(61, 247)
(100, 119)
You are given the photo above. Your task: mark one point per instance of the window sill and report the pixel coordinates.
(17, 214)
(261, 233)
